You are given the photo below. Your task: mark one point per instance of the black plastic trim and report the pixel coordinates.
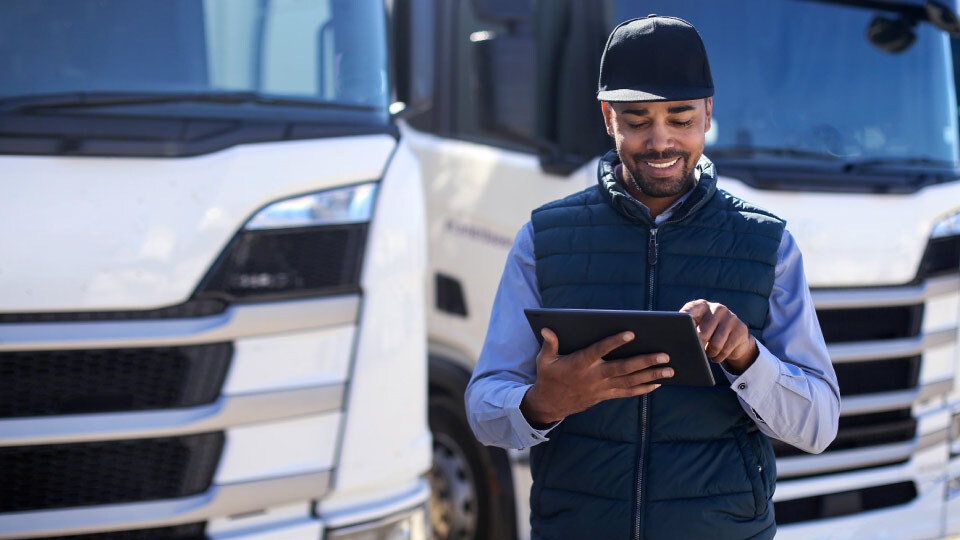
(118, 136)
(941, 257)
(71, 475)
(84, 381)
(195, 307)
(831, 179)
(189, 531)
(213, 285)
(449, 295)
(844, 503)
(870, 323)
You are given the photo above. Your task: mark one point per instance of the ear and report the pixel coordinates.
(607, 116)
(709, 109)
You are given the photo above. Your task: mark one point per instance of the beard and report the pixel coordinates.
(660, 187)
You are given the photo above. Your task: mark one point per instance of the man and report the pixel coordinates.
(614, 455)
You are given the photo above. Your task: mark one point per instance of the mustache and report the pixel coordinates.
(656, 156)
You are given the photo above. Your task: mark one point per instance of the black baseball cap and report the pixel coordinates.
(654, 58)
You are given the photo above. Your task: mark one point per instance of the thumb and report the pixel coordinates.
(551, 345)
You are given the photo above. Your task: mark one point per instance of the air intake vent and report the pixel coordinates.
(878, 375)
(861, 430)
(868, 324)
(84, 474)
(44, 383)
(844, 503)
(190, 531)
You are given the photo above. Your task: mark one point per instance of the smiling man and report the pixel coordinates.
(615, 455)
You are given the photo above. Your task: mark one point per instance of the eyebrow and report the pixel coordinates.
(671, 110)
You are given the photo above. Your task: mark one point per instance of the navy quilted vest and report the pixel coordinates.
(680, 462)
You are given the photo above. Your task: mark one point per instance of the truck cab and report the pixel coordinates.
(211, 318)
(838, 116)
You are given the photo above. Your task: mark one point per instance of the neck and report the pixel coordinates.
(656, 205)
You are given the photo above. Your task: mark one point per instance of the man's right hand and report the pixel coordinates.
(575, 382)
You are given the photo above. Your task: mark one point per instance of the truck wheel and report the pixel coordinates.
(461, 507)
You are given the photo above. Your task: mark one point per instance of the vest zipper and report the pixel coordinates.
(652, 254)
(645, 399)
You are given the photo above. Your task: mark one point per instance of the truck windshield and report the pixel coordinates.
(328, 53)
(799, 80)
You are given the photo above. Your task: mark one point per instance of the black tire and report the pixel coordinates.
(472, 493)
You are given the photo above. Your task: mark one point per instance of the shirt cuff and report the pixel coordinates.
(528, 435)
(758, 381)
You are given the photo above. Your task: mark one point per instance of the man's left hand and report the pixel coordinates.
(724, 336)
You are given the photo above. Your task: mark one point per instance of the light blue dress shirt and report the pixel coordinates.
(790, 391)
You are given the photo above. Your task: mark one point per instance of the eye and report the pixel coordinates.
(683, 124)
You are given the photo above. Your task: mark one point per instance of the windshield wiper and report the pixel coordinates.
(72, 100)
(750, 151)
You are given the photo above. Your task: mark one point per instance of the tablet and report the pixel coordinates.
(656, 331)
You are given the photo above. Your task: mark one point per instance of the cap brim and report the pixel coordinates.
(655, 93)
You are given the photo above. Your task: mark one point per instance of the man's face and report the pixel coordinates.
(659, 142)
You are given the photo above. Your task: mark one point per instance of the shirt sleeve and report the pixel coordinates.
(507, 366)
(791, 390)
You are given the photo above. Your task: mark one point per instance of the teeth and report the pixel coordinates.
(662, 165)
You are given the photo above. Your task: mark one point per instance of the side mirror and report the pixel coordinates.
(891, 35)
(943, 17)
(413, 27)
(939, 13)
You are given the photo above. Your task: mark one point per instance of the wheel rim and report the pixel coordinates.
(453, 496)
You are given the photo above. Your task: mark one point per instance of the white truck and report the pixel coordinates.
(839, 116)
(211, 290)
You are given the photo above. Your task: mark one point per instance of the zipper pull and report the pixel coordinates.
(652, 248)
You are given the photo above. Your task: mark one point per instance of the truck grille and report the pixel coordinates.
(83, 474)
(844, 503)
(190, 531)
(881, 385)
(863, 430)
(868, 324)
(878, 375)
(44, 383)
(870, 376)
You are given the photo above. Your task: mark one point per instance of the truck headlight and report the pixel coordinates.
(409, 526)
(311, 245)
(943, 249)
(948, 226)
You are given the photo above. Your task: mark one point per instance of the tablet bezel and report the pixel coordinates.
(656, 331)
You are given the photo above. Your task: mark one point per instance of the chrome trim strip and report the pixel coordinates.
(856, 458)
(882, 349)
(239, 320)
(839, 460)
(868, 403)
(226, 412)
(218, 501)
(409, 498)
(886, 401)
(932, 439)
(885, 296)
(934, 389)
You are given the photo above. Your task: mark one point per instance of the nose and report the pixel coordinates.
(660, 138)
